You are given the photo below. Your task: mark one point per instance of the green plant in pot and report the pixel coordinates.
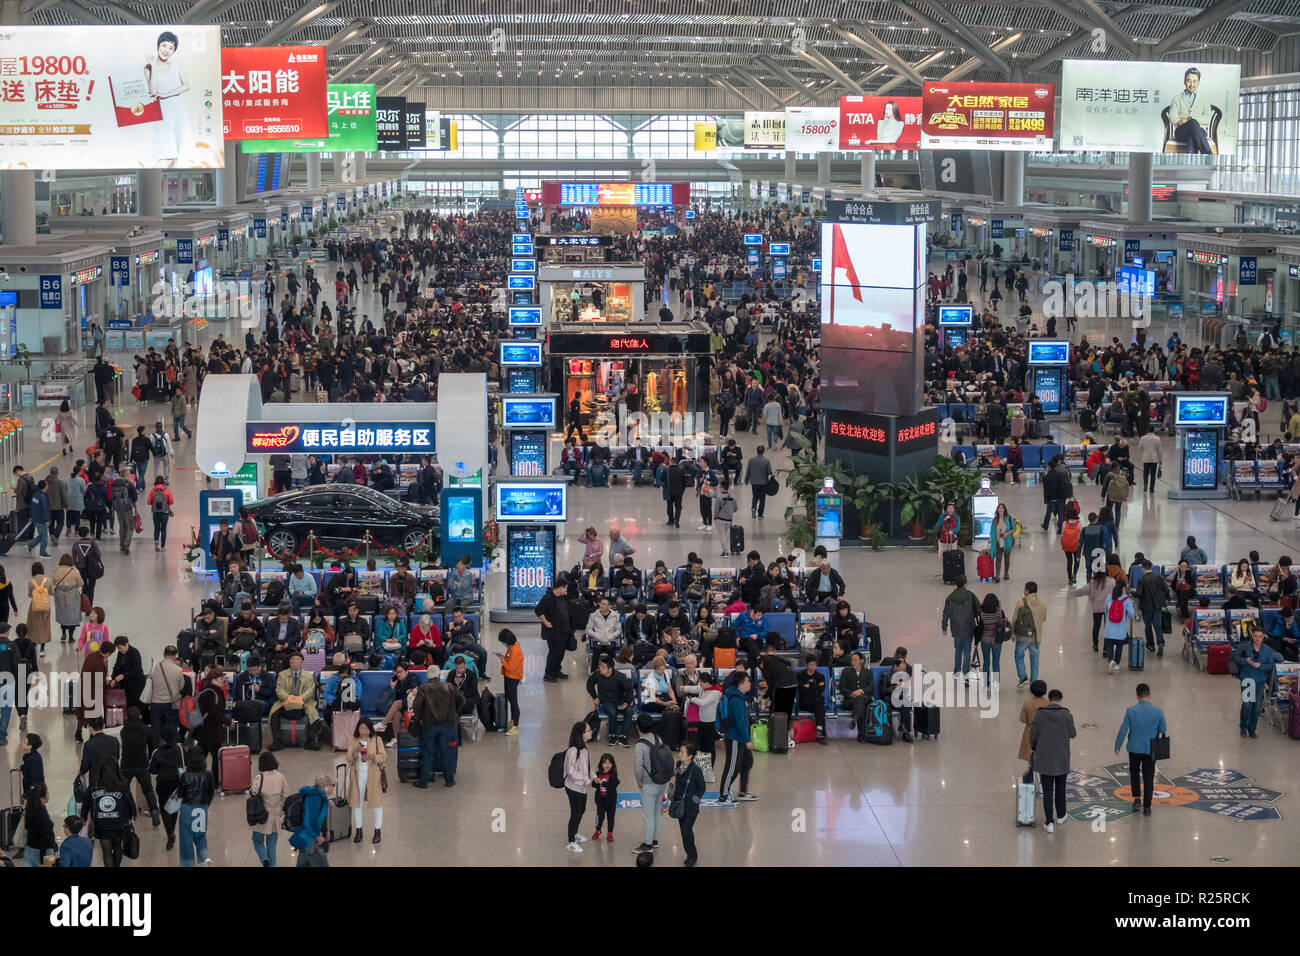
(867, 498)
(807, 475)
(919, 501)
(800, 533)
(956, 484)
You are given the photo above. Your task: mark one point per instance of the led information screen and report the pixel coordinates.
(616, 194)
(956, 314)
(998, 116)
(1145, 107)
(530, 564)
(1200, 459)
(110, 97)
(521, 353)
(521, 381)
(531, 502)
(1049, 386)
(779, 249)
(521, 283)
(528, 412)
(753, 238)
(528, 454)
(375, 438)
(523, 265)
(351, 128)
(524, 314)
(880, 122)
(273, 91)
(1049, 352)
(1200, 410)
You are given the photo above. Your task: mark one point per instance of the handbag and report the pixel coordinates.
(86, 606)
(1160, 747)
(383, 780)
(173, 804)
(255, 807)
(677, 809)
(772, 487)
(138, 522)
(131, 845)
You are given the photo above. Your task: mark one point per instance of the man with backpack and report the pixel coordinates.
(653, 767)
(88, 561)
(305, 813)
(122, 498)
(1153, 595)
(140, 453)
(160, 447)
(1027, 619)
(1093, 537)
(1116, 492)
(1057, 490)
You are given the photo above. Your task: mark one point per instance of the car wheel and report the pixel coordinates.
(282, 543)
(412, 540)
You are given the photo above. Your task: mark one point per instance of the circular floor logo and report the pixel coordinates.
(1105, 793)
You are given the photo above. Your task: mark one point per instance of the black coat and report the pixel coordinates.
(135, 745)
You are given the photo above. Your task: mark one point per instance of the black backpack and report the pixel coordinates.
(294, 811)
(555, 771)
(661, 760)
(274, 592)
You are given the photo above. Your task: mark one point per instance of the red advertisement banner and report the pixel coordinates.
(880, 122)
(274, 92)
(1006, 116)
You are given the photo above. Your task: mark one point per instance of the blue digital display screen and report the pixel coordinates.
(956, 314)
(528, 454)
(521, 237)
(530, 564)
(1193, 410)
(779, 249)
(521, 381)
(1049, 386)
(778, 268)
(956, 338)
(753, 238)
(525, 315)
(690, 214)
(528, 412)
(521, 248)
(1050, 352)
(460, 518)
(1200, 459)
(521, 353)
(528, 283)
(817, 264)
(523, 265)
(518, 502)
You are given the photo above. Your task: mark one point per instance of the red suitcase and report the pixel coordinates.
(804, 729)
(984, 566)
(236, 768)
(114, 707)
(1216, 658)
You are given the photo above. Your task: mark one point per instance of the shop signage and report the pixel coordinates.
(579, 240)
(603, 343)
(375, 438)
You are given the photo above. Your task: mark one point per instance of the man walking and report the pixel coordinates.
(1056, 492)
(1150, 455)
(39, 509)
(959, 612)
(1049, 740)
(758, 472)
(674, 489)
(1142, 723)
(553, 611)
(653, 768)
(1153, 596)
(123, 497)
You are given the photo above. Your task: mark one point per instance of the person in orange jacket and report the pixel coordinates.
(160, 503)
(512, 669)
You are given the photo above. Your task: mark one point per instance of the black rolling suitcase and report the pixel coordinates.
(871, 636)
(954, 565)
(778, 732)
(737, 539)
(408, 756)
(925, 722)
(11, 817)
(501, 712)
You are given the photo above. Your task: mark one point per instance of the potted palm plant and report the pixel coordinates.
(867, 498)
(918, 499)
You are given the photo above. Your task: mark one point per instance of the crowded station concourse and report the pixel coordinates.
(686, 594)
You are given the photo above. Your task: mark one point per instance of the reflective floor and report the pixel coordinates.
(948, 801)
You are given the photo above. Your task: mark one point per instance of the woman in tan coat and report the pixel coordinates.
(366, 759)
(270, 783)
(1037, 700)
(38, 621)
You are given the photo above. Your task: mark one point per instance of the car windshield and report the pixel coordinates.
(375, 497)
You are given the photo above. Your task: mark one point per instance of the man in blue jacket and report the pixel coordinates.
(1142, 722)
(309, 839)
(1256, 664)
(733, 721)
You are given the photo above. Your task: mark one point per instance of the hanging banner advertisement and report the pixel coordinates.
(111, 97)
(997, 116)
(764, 130)
(352, 125)
(1150, 107)
(706, 137)
(416, 136)
(812, 129)
(273, 91)
(390, 122)
(880, 122)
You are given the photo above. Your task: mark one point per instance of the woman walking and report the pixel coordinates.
(367, 779)
(1119, 612)
(166, 765)
(38, 610)
(40, 828)
(197, 788)
(110, 812)
(94, 673)
(688, 787)
(1003, 539)
(577, 779)
(160, 503)
(94, 633)
(271, 786)
(65, 423)
(67, 597)
(1097, 591)
(992, 634)
(1050, 736)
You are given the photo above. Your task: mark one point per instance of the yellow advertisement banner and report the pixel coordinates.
(706, 136)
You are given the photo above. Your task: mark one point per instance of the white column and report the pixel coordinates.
(226, 178)
(18, 207)
(868, 177)
(790, 173)
(313, 170)
(1139, 187)
(823, 169)
(1013, 178)
(150, 187)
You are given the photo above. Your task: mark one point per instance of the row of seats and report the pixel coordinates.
(372, 582)
(1261, 474)
(1035, 457)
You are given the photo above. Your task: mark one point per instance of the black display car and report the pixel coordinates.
(341, 515)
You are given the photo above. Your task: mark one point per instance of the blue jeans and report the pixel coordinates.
(990, 660)
(617, 718)
(302, 602)
(31, 856)
(637, 468)
(961, 653)
(1271, 390)
(1030, 647)
(178, 426)
(772, 438)
(1151, 625)
(138, 469)
(160, 519)
(1113, 650)
(442, 739)
(1250, 709)
(264, 844)
(192, 827)
(41, 536)
(4, 723)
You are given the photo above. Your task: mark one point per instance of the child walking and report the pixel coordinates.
(606, 786)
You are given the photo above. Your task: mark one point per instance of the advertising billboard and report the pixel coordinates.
(812, 129)
(706, 137)
(764, 129)
(997, 116)
(530, 564)
(375, 438)
(956, 314)
(1049, 352)
(1200, 460)
(531, 502)
(527, 412)
(1200, 409)
(524, 315)
(1175, 106)
(110, 97)
(390, 122)
(273, 91)
(880, 122)
(520, 353)
(416, 135)
(351, 129)
(528, 454)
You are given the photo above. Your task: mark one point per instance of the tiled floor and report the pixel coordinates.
(947, 801)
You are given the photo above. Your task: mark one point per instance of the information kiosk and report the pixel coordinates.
(531, 516)
(830, 519)
(1200, 419)
(1049, 360)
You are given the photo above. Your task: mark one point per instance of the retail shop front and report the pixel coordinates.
(1229, 274)
(1052, 239)
(617, 371)
(1288, 283)
(592, 293)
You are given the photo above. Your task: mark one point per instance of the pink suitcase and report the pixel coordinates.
(236, 768)
(345, 724)
(114, 707)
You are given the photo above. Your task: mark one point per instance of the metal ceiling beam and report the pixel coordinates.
(727, 87)
(934, 57)
(1212, 15)
(297, 20)
(351, 32)
(90, 16)
(1089, 20)
(958, 33)
(831, 70)
(975, 61)
(801, 90)
(753, 81)
(35, 6)
(358, 61)
(873, 45)
(207, 10)
(401, 77)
